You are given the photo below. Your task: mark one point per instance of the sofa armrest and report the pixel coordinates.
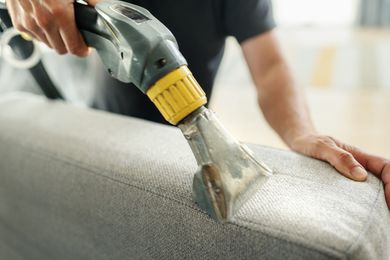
(83, 184)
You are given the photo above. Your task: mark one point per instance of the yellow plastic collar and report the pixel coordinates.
(177, 95)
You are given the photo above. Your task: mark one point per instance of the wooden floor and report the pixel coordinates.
(357, 115)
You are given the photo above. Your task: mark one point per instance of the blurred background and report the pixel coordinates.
(339, 52)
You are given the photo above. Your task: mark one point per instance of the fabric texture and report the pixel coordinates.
(200, 28)
(82, 184)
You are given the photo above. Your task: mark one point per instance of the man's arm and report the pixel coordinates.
(284, 106)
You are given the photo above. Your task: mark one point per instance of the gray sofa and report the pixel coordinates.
(82, 184)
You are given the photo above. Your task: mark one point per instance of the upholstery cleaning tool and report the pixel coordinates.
(136, 48)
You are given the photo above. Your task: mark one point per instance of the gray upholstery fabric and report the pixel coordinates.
(81, 184)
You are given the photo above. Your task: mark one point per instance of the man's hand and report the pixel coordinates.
(284, 106)
(49, 21)
(348, 160)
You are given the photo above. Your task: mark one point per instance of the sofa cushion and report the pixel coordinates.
(83, 184)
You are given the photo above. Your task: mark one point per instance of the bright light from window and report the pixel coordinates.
(315, 12)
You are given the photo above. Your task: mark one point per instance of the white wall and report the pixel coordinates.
(315, 12)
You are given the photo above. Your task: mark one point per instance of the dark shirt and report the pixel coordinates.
(200, 28)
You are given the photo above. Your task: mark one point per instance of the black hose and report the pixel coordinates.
(23, 49)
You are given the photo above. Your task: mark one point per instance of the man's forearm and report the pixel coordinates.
(284, 106)
(283, 103)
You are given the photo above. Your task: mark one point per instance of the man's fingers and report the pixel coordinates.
(70, 34)
(51, 22)
(47, 23)
(326, 149)
(40, 36)
(375, 164)
(26, 5)
(28, 24)
(16, 14)
(348, 160)
(55, 40)
(386, 174)
(58, 24)
(30, 27)
(386, 180)
(345, 163)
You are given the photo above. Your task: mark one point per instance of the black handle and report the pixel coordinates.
(86, 17)
(87, 20)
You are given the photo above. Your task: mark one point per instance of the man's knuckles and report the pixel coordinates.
(323, 142)
(346, 159)
(44, 21)
(58, 11)
(30, 25)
